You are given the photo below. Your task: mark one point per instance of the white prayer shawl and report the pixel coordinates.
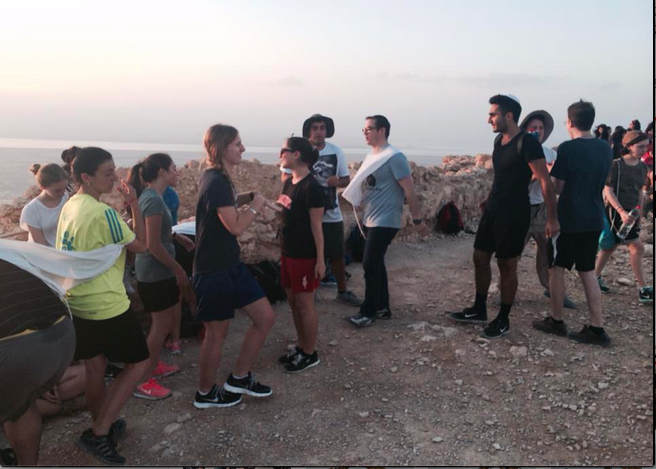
(60, 270)
(353, 192)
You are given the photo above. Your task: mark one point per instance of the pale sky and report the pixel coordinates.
(164, 71)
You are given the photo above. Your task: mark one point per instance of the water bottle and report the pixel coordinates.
(626, 227)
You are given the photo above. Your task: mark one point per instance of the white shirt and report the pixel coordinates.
(534, 187)
(37, 215)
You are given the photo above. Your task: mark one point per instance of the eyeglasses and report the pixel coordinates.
(283, 150)
(366, 130)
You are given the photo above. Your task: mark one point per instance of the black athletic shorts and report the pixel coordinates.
(503, 232)
(159, 296)
(119, 339)
(569, 249)
(333, 240)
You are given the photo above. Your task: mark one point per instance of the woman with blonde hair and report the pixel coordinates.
(221, 281)
(40, 216)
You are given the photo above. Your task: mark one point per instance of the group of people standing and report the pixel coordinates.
(69, 216)
(582, 172)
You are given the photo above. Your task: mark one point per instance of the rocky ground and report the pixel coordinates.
(416, 390)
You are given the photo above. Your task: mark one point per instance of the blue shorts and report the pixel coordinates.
(220, 293)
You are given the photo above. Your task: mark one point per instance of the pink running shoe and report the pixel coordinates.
(151, 390)
(173, 346)
(162, 370)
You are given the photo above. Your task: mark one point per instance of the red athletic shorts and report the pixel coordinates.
(298, 274)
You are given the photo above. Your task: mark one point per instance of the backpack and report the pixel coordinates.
(355, 244)
(449, 220)
(520, 144)
(267, 274)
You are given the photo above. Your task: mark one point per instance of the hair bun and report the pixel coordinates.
(34, 169)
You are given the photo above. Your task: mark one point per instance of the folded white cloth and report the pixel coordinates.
(353, 192)
(60, 270)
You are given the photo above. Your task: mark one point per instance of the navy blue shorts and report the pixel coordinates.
(220, 293)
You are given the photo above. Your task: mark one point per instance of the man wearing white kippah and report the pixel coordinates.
(507, 214)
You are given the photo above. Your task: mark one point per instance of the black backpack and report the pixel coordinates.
(355, 243)
(267, 274)
(449, 220)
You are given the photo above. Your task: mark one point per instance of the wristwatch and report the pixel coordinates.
(417, 221)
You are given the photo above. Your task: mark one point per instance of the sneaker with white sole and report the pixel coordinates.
(349, 298)
(163, 370)
(217, 397)
(302, 362)
(646, 295)
(151, 390)
(246, 385)
(603, 286)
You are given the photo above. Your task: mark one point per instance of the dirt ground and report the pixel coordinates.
(415, 390)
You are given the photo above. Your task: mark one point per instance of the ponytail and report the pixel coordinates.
(135, 178)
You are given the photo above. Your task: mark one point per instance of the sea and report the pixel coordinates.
(18, 155)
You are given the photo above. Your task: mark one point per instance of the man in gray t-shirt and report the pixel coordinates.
(383, 193)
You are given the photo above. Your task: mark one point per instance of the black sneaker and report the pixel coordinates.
(102, 447)
(8, 457)
(586, 336)
(496, 329)
(647, 295)
(117, 430)
(246, 385)
(603, 286)
(361, 321)
(112, 371)
(289, 356)
(302, 362)
(469, 315)
(550, 326)
(216, 398)
(384, 313)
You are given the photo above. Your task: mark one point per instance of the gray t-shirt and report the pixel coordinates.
(148, 268)
(383, 196)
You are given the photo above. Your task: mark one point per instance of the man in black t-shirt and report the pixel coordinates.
(506, 217)
(579, 175)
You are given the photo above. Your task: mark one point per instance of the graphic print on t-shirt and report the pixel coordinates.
(325, 168)
(370, 181)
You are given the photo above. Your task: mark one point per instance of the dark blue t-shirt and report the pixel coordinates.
(216, 247)
(583, 164)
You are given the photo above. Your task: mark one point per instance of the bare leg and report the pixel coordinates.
(177, 320)
(541, 259)
(602, 259)
(483, 271)
(508, 275)
(593, 295)
(118, 392)
(72, 383)
(210, 353)
(305, 305)
(95, 388)
(557, 289)
(636, 252)
(339, 271)
(24, 436)
(159, 329)
(263, 318)
(298, 317)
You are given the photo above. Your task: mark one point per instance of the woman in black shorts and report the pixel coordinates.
(221, 281)
(302, 257)
(159, 276)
